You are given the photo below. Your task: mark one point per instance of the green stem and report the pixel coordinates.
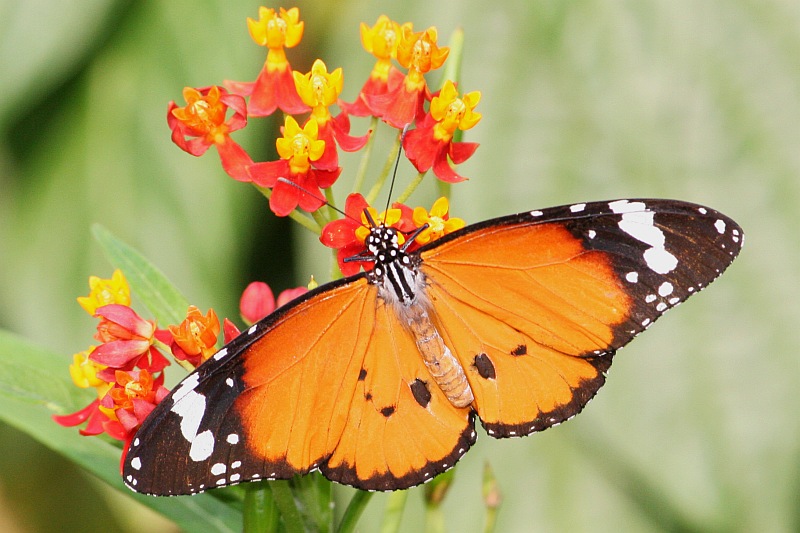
(452, 69)
(365, 155)
(260, 514)
(387, 168)
(394, 511)
(332, 213)
(319, 218)
(353, 512)
(284, 500)
(434, 519)
(411, 187)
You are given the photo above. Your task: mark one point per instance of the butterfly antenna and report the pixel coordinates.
(396, 163)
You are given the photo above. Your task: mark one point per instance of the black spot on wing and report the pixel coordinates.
(421, 392)
(388, 411)
(362, 375)
(520, 350)
(484, 366)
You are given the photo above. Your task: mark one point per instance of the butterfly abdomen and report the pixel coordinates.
(444, 368)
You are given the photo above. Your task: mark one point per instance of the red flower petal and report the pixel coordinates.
(235, 161)
(443, 170)
(120, 354)
(78, 417)
(267, 174)
(460, 152)
(229, 330)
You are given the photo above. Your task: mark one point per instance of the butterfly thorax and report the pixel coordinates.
(402, 285)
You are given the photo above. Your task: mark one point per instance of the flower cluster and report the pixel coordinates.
(300, 181)
(126, 369)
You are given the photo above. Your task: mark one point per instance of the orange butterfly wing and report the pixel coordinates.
(332, 382)
(534, 311)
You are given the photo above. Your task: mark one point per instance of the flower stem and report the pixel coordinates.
(353, 512)
(260, 514)
(365, 155)
(387, 168)
(394, 511)
(411, 187)
(284, 501)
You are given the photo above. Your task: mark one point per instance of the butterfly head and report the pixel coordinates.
(383, 246)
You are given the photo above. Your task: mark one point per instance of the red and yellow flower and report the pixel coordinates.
(274, 88)
(430, 144)
(320, 89)
(114, 290)
(202, 123)
(419, 53)
(381, 41)
(298, 149)
(438, 221)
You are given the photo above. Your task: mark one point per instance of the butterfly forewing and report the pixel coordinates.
(535, 305)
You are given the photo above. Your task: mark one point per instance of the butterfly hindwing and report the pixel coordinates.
(535, 305)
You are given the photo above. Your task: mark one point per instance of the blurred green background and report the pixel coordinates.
(698, 426)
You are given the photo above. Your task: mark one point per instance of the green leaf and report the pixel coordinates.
(35, 384)
(147, 282)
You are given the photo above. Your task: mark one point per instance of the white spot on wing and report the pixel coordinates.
(191, 408)
(577, 208)
(665, 289)
(233, 438)
(218, 469)
(220, 354)
(252, 329)
(633, 277)
(136, 463)
(202, 446)
(185, 387)
(639, 223)
(536, 213)
(720, 225)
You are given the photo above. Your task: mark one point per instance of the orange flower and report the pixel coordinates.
(195, 338)
(134, 395)
(203, 121)
(274, 88)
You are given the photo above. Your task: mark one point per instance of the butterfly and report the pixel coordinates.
(376, 380)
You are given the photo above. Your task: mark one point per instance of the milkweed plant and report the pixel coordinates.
(125, 368)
